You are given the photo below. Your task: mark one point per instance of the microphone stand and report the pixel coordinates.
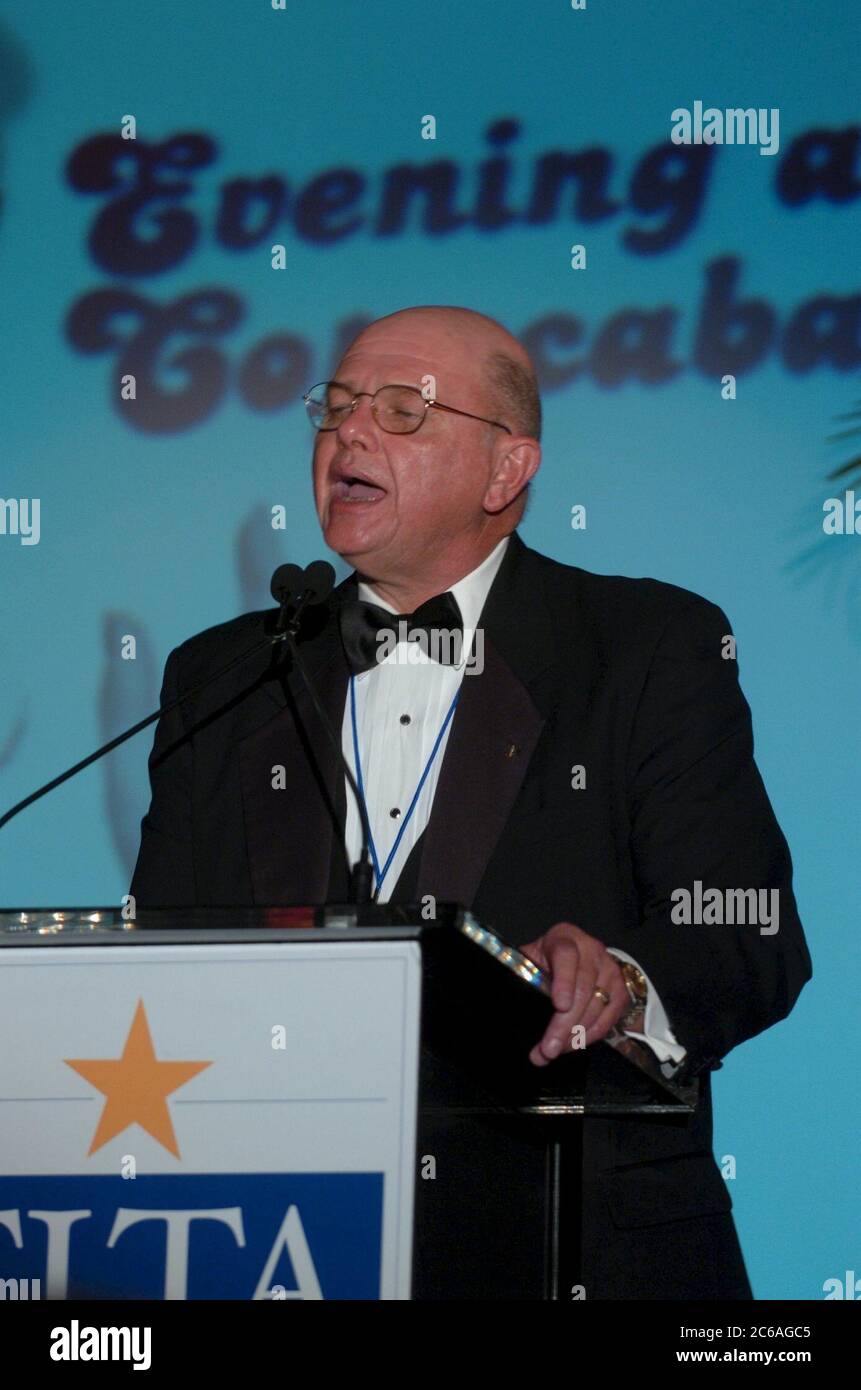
(286, 630)
(361, 874)
(136, 728)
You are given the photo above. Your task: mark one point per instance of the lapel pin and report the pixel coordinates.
(511, 750)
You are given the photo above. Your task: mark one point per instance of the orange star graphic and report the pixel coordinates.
(136, 1087)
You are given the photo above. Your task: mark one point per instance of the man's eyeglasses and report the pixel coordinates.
(396, 409)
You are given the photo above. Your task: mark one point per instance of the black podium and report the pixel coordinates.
(500, 1183)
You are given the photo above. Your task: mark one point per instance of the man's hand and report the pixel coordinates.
(577, 964)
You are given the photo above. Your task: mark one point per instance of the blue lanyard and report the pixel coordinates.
(380, 874)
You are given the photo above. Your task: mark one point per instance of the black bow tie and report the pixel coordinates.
(363, 623)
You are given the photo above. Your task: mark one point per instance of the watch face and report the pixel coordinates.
(636, 982)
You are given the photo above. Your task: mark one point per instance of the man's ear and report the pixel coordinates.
(515, 465)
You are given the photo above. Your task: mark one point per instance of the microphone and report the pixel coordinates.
(298, 589)
(286, 588)
(294, 589)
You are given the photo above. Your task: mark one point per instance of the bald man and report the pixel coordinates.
(519, 673)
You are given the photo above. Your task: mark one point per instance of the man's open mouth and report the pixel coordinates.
(351, 487)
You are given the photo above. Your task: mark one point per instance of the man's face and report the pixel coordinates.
(387, 501)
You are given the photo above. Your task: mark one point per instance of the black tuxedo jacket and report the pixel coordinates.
(624, 678)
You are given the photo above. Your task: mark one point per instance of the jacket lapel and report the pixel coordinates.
(291, 817)
(494, 732)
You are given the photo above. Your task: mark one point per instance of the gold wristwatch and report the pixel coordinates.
(638, 993)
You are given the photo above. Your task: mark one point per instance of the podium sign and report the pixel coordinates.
(209, 1121)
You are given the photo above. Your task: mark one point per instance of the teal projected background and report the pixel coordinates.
(303, 126)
